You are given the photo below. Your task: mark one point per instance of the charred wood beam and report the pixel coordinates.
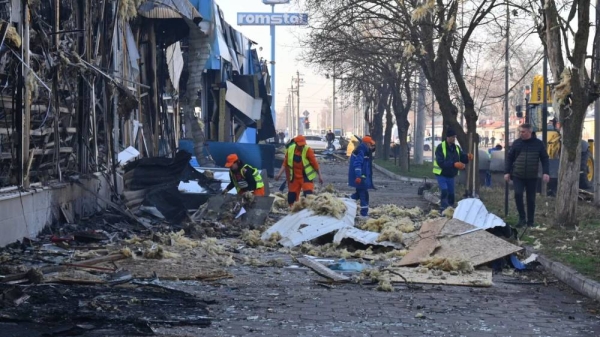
(25, 162)
(84, 48)
(55, 88)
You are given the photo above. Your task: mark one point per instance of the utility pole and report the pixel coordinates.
(273, 91)
(298, 105)
(506, 88)
(432, 127)
(597, 115)
(333, 104)
(544, 113)
(420, 122)
(292, 125)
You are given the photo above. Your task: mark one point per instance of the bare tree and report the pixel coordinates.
(371, 64)
(567, 55)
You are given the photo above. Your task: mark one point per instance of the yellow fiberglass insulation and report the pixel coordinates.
(280, 202)
(158, 252)
(395, 211)
(328, 204)
(434, 213)
(209, 174)
(563, 89)
(448, 212)
(322, 204)
(391, 229)
(128, 9)
(329, 189)
(390, 234)
(448, 264)
(385, 285)
(177, 239)
(251, 238)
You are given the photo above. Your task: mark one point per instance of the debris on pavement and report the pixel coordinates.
(364, 237)
(306, 225)
(323, 270)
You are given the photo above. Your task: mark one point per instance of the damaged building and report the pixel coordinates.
(88, 84)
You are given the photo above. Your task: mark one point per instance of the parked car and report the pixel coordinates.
(319, 143)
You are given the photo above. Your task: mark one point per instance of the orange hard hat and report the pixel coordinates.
(368, 140)
(231, 159)
(300, 140)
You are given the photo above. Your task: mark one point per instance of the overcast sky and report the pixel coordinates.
(315, 89)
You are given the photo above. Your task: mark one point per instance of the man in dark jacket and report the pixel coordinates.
(330, 138)
(522, 167)
(360, 173)
(449, 160)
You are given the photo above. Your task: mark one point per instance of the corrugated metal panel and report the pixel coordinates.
(473, 211)
(305, 226)
(364, 237)
(169, 9)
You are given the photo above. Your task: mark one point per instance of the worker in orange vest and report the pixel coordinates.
(301, 169)
(243, 177)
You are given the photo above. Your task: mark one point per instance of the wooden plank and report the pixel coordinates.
(322, 270)
(426, 242)
(37, 152)
(7, 131)
(45, 131)
(39, 108)
(477, 278)
(478, 247)
(102, 259)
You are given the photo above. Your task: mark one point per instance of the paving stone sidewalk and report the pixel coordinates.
(278, 302)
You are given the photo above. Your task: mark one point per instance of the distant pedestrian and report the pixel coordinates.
(360, 173)
(493, 139)
(449, 160)
(330, 138)
(488, 174)
(487, 141)
(522, 168)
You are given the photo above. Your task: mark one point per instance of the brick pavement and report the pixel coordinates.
(280, 302)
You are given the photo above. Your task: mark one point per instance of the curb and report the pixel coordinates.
(395, 176)
(570, 277)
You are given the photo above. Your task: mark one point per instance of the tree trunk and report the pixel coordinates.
(568, 190)
(420, 127)
(389, 124)
(198, 44)
(573, 115)
(377, 131)
(570, 155)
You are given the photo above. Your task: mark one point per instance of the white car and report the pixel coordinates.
(319, 143)
(427, 143)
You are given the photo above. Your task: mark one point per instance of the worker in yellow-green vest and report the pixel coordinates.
(301, 169)
(243, 177)
(449, 160)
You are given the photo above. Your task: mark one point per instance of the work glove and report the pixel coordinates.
(358, 180)
(459, 165)
(225, 192)
(470, 156)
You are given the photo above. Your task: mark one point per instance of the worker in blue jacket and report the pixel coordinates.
(360, 173)
(449, 161)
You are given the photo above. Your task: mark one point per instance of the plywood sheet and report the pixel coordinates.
(477, 247)
(421, 247)
(478, 278)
